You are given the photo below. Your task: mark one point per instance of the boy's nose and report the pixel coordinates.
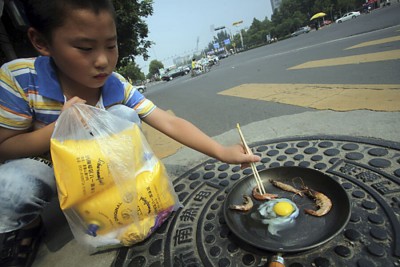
(101, 60)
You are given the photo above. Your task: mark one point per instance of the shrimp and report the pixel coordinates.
(286, 187)
(257, 195)
(323, 203)
(246, 206)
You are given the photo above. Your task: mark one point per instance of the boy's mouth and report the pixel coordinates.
(101, 76)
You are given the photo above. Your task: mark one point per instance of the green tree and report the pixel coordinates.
(296, 13)
(345, 6)
(154, 67)
(257, 33)
(251, 36)
(131, 28)
(131, 71)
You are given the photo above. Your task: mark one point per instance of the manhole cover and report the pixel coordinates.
(197, 234)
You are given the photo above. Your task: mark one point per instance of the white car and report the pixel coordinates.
(348, 16)
(305, 29)
(140, 88)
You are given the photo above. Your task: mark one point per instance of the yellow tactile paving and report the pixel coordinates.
(356, 59)
(376, 42)
(339, 97)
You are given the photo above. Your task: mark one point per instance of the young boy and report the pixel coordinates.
(77, 41)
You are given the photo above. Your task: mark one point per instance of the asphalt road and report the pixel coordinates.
(199, 100)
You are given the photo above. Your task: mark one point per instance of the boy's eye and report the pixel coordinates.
(112, 47)
(84, 48)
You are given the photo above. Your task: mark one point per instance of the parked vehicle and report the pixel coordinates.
(180, 71)
(348, 16)
(165, 77)
(187, 68)
(223, 55)
(302, 30)
(213, 60)
(140, 88)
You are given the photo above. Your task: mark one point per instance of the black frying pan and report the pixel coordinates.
(308, 231)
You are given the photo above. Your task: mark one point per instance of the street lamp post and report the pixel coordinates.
(240, 32)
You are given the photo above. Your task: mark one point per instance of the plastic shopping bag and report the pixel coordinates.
(111, 187)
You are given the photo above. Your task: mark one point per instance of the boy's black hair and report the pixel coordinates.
(47, 15)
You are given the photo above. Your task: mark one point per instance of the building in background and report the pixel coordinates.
(182, 60)
(275, 4)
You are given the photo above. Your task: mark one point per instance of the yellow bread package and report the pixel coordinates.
(110, 184)
(139, 198)
(89, 167)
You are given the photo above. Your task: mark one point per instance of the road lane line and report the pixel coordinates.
(338, 97)
(376, 42)
(348, 60)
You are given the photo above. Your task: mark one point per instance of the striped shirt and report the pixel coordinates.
(31, 95)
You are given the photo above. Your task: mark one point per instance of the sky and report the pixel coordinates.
(177, 25)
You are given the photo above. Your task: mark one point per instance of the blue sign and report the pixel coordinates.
(216, 45)
(227, 41)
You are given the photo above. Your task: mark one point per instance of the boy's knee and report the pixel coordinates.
(26, 187)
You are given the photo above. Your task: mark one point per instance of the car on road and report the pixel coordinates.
(141, 88)
(222, 55)
(174, 73)
(302, 30)
(165, 77)
(348, 16)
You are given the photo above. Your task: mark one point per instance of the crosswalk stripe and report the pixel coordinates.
(376, 42)
(356, 59)
(339, 97)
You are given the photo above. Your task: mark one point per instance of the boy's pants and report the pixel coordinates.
(28, 185)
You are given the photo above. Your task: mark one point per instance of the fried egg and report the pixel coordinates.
(278, 214)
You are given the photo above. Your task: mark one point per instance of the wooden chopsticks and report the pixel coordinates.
(253, 166)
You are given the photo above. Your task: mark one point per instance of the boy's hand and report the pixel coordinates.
(25, 143)
(236, 155)
(72, 101)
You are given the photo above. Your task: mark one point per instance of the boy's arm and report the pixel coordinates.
(189, 135)
(26, 143)
(18, 144)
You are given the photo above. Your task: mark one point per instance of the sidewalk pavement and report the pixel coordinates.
(360, 123)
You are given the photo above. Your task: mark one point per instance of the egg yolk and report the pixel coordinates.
(283, 208)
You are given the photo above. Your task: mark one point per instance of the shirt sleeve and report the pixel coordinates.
(134, 99)
(15, 112)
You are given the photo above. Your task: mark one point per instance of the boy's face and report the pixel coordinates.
(85, 48)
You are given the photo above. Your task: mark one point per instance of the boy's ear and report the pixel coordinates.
(38, 41)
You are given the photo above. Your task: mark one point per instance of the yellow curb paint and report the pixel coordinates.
(357, 59)
(161, 144)
(339, 97)
(376, 42)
